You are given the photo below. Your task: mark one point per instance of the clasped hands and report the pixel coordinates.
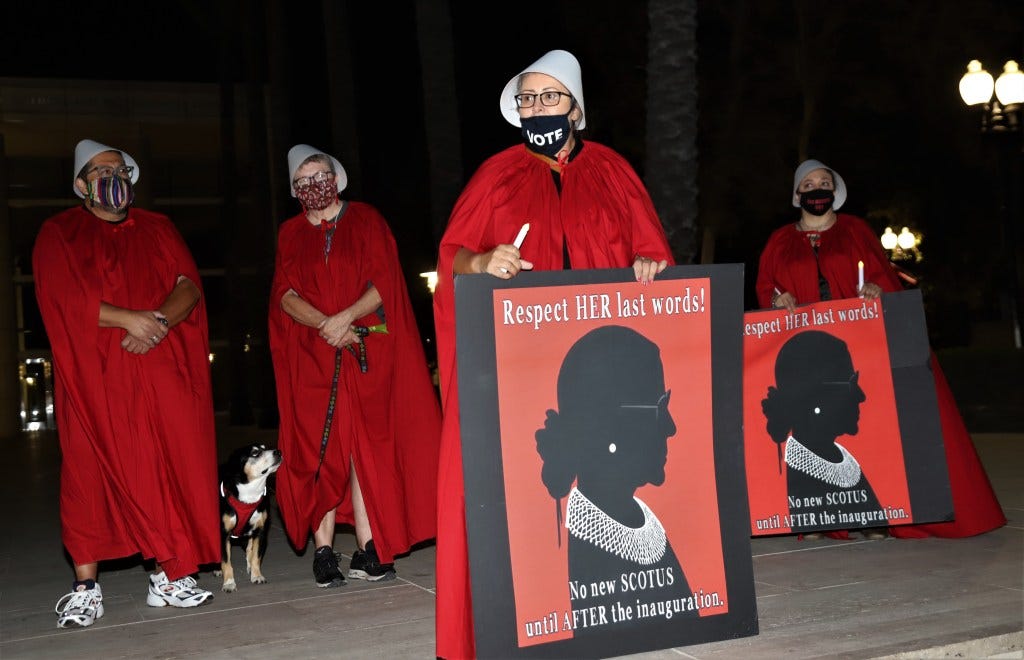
(337, 330)
(144, 331)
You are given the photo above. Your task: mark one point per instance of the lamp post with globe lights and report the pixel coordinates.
(1001, 111)
(1001, 102)
(903, 245)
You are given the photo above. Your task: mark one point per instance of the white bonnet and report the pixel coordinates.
(809, 166)
(86, 150)
(560, 65)
(300, 152)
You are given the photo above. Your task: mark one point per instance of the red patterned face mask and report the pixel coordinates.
(318, 195)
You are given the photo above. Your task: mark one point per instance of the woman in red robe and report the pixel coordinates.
(817, 259)
(120, 297)
(586, 208)
(360, 419)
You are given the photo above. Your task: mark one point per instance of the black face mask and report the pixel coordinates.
(818, 201)
(545, 134)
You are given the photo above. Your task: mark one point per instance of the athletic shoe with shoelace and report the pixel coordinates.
(80, 608)
(325, 568)
(366, 566)
(182, 592)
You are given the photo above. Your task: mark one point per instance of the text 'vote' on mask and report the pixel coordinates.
(545, 134)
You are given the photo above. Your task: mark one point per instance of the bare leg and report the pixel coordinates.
(363, 533)
(326, 571)
(86, 571)
(324, 534)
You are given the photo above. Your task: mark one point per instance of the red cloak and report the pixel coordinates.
(387, 421)
(607, 219)
(788, 264)
(139, 468)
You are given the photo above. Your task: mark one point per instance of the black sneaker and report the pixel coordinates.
(366, 566)
(325, 568)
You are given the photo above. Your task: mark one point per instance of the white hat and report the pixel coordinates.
(809, 166)
(560, 65)
(86, 150)
(300, 152)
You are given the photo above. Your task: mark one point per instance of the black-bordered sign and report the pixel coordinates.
(842, 425)
(605, 500)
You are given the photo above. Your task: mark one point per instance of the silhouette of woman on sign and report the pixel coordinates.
(610, 437)
(816, 398)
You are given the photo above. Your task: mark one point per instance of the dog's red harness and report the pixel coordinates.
(243, 510)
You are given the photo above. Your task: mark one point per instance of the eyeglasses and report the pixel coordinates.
(661, 415)
(124, 171)
(850, 383)
(546, 99)
(319, 177)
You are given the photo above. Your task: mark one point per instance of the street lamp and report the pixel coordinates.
(903, 245)
(1002, 114)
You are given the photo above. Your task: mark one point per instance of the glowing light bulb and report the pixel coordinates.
(889, 239)
(906, 240)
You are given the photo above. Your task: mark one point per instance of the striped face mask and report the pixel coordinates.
(111, 193)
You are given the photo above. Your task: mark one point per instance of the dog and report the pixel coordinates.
(245, 509)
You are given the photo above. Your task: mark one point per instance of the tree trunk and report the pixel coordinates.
(440, 112)
(341, 88)
(671, 170)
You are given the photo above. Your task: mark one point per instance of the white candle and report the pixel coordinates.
(521, 236)
(860, 277)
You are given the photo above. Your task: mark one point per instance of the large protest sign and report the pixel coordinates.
(841, 425)
(605, 505)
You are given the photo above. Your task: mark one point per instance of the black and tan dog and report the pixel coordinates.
(245, 509)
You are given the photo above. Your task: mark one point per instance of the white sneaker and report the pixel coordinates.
(80, 608)
(182, 592)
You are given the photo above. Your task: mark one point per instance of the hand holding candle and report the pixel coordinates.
(520, 237)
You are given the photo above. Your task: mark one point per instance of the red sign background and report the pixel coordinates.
(529, 353)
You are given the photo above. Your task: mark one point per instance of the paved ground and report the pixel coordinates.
(892, 598)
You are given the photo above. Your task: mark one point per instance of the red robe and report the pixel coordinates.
(607, 218)
(139, 458)
(387, 421)
(787, 263)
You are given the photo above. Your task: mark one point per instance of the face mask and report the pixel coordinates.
(817, 202)
(111, 193)
(546, 134)
(318, 195)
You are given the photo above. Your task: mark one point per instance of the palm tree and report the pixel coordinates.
(671, 169)
(440, 114)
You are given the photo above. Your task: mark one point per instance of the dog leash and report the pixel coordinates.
(330, 412)
(360, 354)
